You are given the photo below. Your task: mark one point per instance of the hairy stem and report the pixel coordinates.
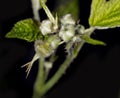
(50, 16)
(66, 63)
(40, 88)
(62, 68)
(35, 7)
(39, 84)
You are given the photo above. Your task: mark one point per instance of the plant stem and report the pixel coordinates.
(66, 63)
(62, 68)
(40, 88)
(50, 16)
(35, 7)
(38, 92)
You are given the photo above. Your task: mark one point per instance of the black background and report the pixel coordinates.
(93, 74)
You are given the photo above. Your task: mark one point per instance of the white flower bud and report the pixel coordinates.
(43, 48)
(48, 65)
(46, 48)
(76, 39)
(54, 41)
(67, 32)
(67, 19)
(80, 29)
(46, 27)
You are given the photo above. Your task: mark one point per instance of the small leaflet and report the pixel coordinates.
(26, 29)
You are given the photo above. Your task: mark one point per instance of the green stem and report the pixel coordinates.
(62, 69)
(40, 88)
(40, 80)
(50, 16)
(65, 65)
(35, 8)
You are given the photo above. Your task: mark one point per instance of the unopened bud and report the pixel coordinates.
(46, 48)
(67, 32)
(67, 19)
(46, 27)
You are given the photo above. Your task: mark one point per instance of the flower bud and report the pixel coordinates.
(46, 48)
(48, 65)
(80, 29)
(46, 27)
(43, 48)
(67, 32)
(76, 39)
(53, 41)
(67, 19)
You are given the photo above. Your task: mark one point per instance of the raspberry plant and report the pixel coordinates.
(62, 28)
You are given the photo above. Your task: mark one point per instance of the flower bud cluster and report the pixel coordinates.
(68, 31)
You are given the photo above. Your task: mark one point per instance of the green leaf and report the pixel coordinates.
(26, 29)
(67, 7)
(105, 13)
(93, 41)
